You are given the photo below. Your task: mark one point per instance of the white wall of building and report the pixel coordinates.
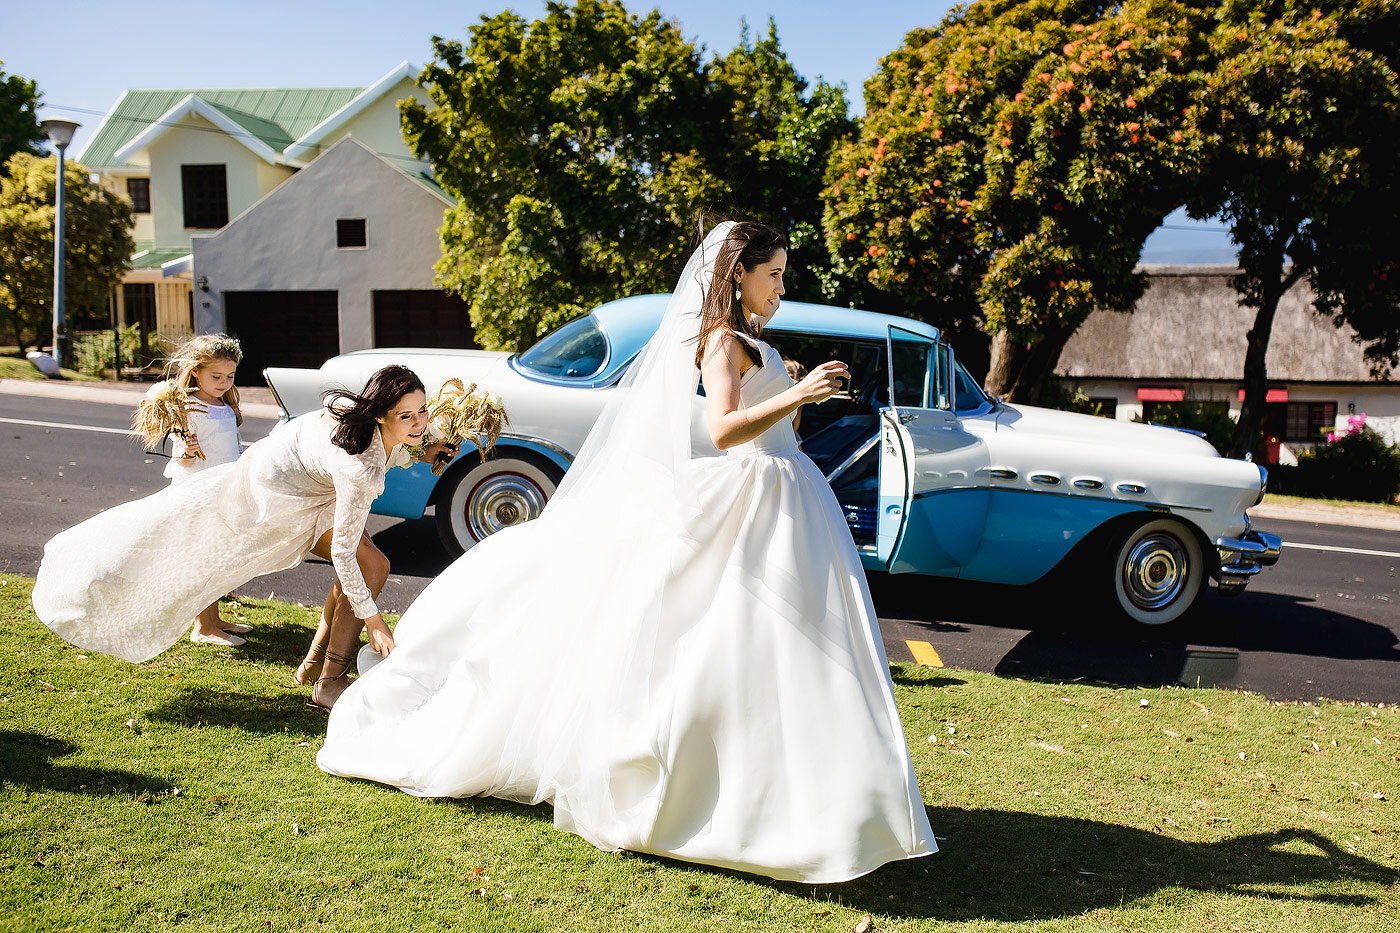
(288, 242)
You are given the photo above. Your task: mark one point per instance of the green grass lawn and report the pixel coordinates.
(14, 367)
(183, 794)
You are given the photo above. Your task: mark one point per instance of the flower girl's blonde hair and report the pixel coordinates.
(198, 352)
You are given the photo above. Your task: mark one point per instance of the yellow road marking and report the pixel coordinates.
(924, 654)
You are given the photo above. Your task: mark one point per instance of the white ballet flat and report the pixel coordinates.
(237, 628)
(227, 640)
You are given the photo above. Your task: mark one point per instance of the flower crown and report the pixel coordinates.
(224, 345)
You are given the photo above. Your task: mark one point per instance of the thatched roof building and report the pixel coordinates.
(1189, 326)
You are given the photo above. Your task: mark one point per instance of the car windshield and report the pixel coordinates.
(578, 350)
(970, 394)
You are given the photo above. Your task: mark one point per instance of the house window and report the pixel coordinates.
(1104, 407)
(1310, 422)
(139, 191)
(206, 195)
(350, 234)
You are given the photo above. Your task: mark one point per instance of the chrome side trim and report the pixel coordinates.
(850, 461)
(1065, 494)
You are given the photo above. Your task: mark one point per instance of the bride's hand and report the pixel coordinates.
(380, 638)
(822, 381)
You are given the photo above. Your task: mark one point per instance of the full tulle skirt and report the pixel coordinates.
(713, 690)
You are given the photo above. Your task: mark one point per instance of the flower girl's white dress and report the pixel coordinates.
(128, 580)
(719, 695)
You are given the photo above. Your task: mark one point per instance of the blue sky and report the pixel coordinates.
(84, 54)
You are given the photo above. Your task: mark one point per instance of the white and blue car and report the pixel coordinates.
(934, 476)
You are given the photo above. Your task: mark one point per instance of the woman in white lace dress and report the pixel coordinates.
(681, 652)
(127, 581)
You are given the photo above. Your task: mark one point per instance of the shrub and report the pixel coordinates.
(1357, 465)
(1210, 418)
(92, 353)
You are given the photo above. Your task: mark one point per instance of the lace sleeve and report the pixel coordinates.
(352, 502)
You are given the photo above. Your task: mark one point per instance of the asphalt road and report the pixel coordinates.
(1322, 623)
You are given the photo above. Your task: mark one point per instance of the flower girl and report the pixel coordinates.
(202, 371)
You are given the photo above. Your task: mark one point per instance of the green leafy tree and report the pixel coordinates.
(97, 242)
(583, 146)
(1012, 162)
(1303, 115)
(19, 124)
(785, 135)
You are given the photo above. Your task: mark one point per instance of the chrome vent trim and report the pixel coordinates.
(1045, 479)
(1088, 484)
(1131, 489)
(1002, 473)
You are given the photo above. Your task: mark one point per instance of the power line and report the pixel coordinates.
(244, 134)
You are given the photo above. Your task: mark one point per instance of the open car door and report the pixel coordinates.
(933, 474)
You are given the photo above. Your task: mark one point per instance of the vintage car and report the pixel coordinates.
(934, 476)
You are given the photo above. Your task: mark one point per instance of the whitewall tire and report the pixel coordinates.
(1157, 571)
(504, 489)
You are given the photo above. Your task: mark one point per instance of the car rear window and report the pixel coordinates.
(578, 350)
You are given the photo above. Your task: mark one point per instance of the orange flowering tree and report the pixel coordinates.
(1012, 161)
(1302, 113)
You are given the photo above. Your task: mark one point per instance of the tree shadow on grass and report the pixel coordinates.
(1003, 865)
(231, 710)
(27, 760)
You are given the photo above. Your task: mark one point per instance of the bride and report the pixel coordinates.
(681, 652)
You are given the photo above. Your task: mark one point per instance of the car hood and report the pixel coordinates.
(1089, 429)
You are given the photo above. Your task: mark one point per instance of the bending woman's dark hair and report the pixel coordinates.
(358, 419)
(749, 244)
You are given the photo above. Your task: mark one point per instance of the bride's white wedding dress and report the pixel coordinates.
(713, 689)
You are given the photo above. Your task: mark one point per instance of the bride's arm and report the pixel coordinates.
(729, 424)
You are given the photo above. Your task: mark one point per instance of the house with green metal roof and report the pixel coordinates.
(193, 159)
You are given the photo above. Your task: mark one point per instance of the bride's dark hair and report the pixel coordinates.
(750, 244)
(358, 415)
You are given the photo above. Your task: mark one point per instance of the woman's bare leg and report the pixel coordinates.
(345, 626)
(310, 667)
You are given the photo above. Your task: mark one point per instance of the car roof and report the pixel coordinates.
(630, 322)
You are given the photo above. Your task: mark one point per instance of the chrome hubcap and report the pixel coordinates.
(1154, 572)
(501, 501)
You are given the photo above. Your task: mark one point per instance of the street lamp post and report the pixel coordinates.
(60, 134)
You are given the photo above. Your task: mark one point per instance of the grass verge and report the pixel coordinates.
(183, 793)
(12, 367)
(1387, 508)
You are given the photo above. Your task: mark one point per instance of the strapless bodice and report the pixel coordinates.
(759, 384)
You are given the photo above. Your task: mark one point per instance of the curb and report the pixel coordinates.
(256, 402)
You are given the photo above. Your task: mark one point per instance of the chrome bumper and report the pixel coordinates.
(1243, 557)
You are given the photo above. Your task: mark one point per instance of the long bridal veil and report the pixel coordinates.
(550, 711)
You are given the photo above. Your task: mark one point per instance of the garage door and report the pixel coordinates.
(421, 319)
(282, 329)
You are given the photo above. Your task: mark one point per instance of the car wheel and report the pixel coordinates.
(1157, 572)
(491, 494)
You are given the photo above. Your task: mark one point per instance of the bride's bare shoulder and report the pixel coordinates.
(726, 345)
(738, 349)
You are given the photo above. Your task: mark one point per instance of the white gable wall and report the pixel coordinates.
(195, 141)
(378, 127)
(288, 241)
